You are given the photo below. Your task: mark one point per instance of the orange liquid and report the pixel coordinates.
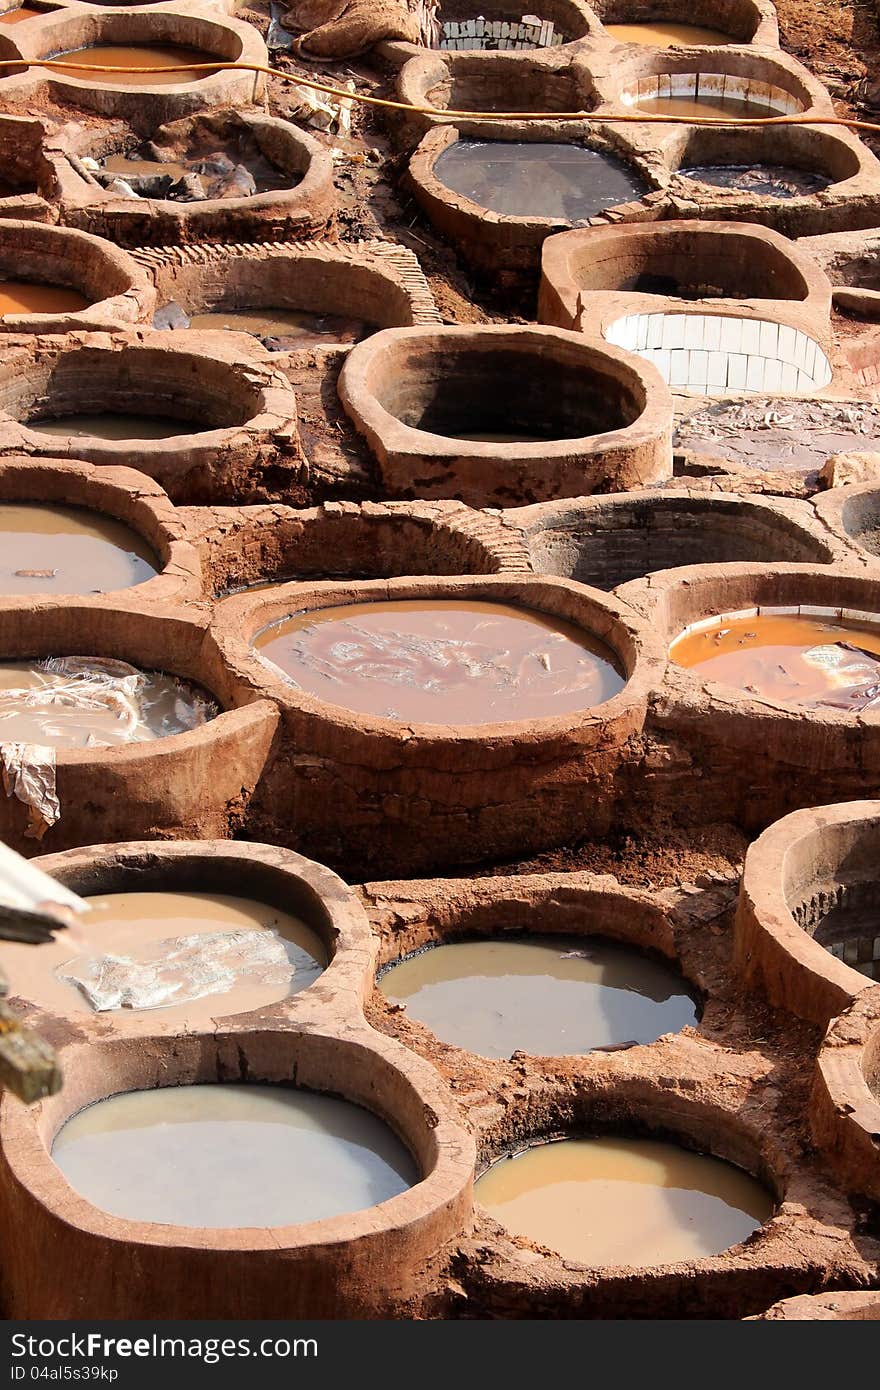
(25, 297)
(659, 34)
(796, 660)
(154, 55)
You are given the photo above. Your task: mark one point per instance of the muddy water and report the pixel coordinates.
(26, 297)
(699, 107)
(295, 325)
(544, 995)
(113, 425)
(661, 34)
(231, 1155)
(813, 662)
(152, 55)
(94, 703)
(519, 179)
(68, 550)
(442, 661)
(190, 955)
(635, 1202)
(763, 180)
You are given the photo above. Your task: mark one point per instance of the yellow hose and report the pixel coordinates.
(342, 94)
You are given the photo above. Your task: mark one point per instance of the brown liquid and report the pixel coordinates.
(544, 995)
(231, 1156)
(82, 712)
(661, 34)
(442, 661)
(20, 15)
(128, 56)
(25, 297)
(130, 166)
(700, 107)
(789, 658)
(282, 324)
(115, 426)
(145, 930)
(67, 550)
(632, 1202)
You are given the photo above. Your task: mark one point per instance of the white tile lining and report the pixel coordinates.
(712, 86)
(529, 32)
(712, 354)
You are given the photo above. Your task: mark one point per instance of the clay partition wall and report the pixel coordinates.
(371, 1263)
(712, 1087)
(851, 260)
(245, 443)
(129, 497)
(145, 105)
(604, 421)
(845, 1110)
(754, 759)
(307, 207)
(118, 290)
(343, 784)
(848, 1306)
(609, 541)
(241, 547)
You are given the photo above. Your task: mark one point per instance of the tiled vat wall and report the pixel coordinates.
(530, 32)
(713, 354)
(711, 86)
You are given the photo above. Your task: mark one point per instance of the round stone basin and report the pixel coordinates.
(86, 702)
(115, 425)
(665, 33)
(780, 181)
(810, 660)
(631, 1202)
(190, 955)
(546, 995)
(439, 661)
(154, 56)
(68, 550)
(221, 1156)
(563, 182)
(28, 297)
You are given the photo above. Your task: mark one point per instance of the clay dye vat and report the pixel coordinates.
(442, 661)
(154, 56)
(665, 34)
(544, 995)
(631, 1202)
(113, 425)
(67, 550)
(280, 330)
(760, 180)
(193, 955)
(225, 167)
(27, 297)
(814, 662)
(560, 182)
(86, 702)
(231, 1155)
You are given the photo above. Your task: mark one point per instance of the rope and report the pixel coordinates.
(343, 94)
